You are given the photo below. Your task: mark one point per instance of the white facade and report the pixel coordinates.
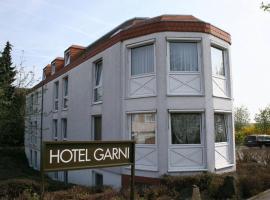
(180, 114)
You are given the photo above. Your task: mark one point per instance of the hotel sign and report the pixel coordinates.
(71, 155)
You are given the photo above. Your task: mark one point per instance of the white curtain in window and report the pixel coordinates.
(142, 60)
(185, 128)
(183, 56)
(220, 128)
(217, 61)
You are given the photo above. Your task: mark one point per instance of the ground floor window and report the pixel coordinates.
(143, 128)
(35, 159)
(98, 179)
(55, 175)
(186, 128)
(66, 177)
(31, 157)
(220, 128)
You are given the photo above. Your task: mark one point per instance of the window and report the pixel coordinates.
(65, 92)
(64, 128)
(142, 60)
(217, 59)
(31, 157)
(31, 104)
(220, 128)
(98, 81)
(143, 128)
(31, 133)
(53, 68)
(56, 95)
(183, 57)
(35, 102)
(35, 132)
(185, 128)
(97, 123)
(98, 179)
(67, 58)
(55, 129)
(35, 159)
(55, 175)
(66, 177)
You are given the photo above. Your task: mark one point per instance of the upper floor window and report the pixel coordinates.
(53, 67)
(217, 59)
(56, 95)
(97, 127)
(67, 57)
(65, 92)
(184, 57)
(55, 129)
(185, 128)
(64, 128)
(98, 81)
(142, 60)
(220, 128)
(31, 103)
(143, 128)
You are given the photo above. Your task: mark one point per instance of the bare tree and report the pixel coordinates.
(265, 7)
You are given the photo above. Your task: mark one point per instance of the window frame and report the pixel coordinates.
(65, 80)
(129, 117)
(224, 57)
(198, 41)
(202, 127)
(55, 129)
(137, 45)
(31, 158)
(67, 58)
(93, 128)
(35, 160)
(64, 132)
(53, 68)
(55, 97)
(100, 86)
(94, 176)
(227, 127)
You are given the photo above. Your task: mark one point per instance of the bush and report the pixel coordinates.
(13, 188)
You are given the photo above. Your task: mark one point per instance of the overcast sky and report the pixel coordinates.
(43, 29)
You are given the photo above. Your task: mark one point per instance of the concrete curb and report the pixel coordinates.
(262, 195)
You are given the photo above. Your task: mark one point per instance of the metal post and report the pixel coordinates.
(132, 179)
(41, 145)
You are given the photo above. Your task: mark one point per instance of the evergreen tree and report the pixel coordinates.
(8, 99)
(7, 75)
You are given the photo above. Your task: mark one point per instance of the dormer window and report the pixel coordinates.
(44, 76)
(53, 67)
(67, 58)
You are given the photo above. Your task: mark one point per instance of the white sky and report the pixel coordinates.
(43, 29)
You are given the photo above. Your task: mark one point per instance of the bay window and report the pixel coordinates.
(183, 57)
(185, 128)
(220, 127)
(143, 128)
(142, 60)
(217, 59)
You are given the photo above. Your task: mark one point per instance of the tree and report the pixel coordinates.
(241, 117)
(263, 120)
(265, 7)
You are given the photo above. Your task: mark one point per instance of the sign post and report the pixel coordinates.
(75, 155)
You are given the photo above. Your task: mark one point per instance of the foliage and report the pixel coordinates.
(265, 7)
(241, 117)
(263, 120)
(13, 88)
